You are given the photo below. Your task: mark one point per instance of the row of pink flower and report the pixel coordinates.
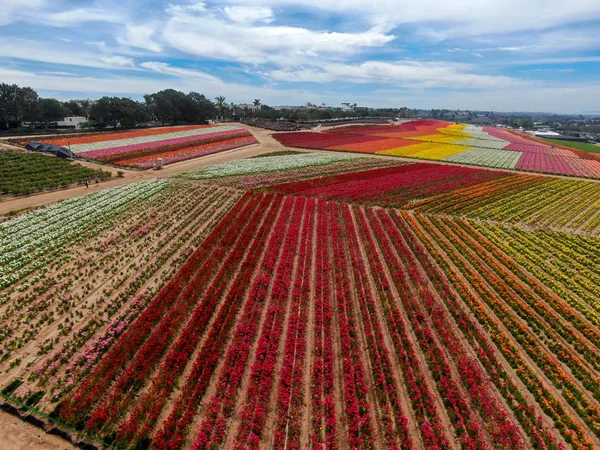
(99, 154)
(290, 397)
(537, 162)
(196, 153)
(322, 380)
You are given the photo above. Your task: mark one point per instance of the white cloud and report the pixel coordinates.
(582, 38)
(118, 61)
(140, 36)
(35, 51)
(565, 60)
(167, 69)
(207, 35)
(249, 14)
(191, 7)
(405, 74)
(14, 10)
(455, 18)
(78, 16)
(126, 85)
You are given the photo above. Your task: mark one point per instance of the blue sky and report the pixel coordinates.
(504, 55)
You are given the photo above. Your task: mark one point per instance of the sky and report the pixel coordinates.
(501, 55)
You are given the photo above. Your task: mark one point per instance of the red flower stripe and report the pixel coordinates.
(423, 402)
(391, 186)
(96, 383)
(290, 396)
(207, 281)
(355, 386)
(191, 152)
(395, 423)
(462, 415)
(173, 431)
(221, 405)
(205, 296)
(503, 431)
(322, 398)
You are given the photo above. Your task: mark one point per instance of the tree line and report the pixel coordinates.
(169, 106)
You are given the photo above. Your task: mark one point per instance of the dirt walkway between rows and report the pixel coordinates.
(16, 434)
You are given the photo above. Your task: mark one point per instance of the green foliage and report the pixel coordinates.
(12, 387)
(26, 173)
(34, 398)
(110, 111)
(584, 146)
(174, 107)
(281, 153)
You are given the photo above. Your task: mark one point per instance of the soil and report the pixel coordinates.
(16, 434)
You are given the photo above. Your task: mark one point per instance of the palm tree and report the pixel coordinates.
(220, 103)
(257, 102)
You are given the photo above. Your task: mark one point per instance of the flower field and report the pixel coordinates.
(443, 141)
(140, 148)
(311, 301)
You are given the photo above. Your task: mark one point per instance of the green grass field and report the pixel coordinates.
(576, 145)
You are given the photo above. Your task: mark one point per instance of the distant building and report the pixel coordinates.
(251, 107)
(71, 122)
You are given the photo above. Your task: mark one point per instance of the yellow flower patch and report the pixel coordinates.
(429, 150)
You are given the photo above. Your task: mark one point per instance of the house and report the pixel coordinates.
(71, 122)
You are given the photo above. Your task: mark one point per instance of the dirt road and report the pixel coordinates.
(16, 434)
(266, 144)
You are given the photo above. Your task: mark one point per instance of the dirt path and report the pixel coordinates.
(131, 176)
(15, 434)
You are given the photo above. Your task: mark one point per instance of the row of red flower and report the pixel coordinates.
(97, 382)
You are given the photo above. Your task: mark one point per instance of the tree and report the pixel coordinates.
(167, 105)
(51, 110)
(30, 105)
(114, 111)
(9, 103)
(526, 123)
(220, 100)
(199, 108)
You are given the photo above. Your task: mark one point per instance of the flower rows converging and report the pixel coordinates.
(316, 300)
(141, 148)
(27, 242)
(466, 144)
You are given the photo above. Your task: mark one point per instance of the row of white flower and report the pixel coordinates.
(25, 241)
(266, 164)
(78, 148)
